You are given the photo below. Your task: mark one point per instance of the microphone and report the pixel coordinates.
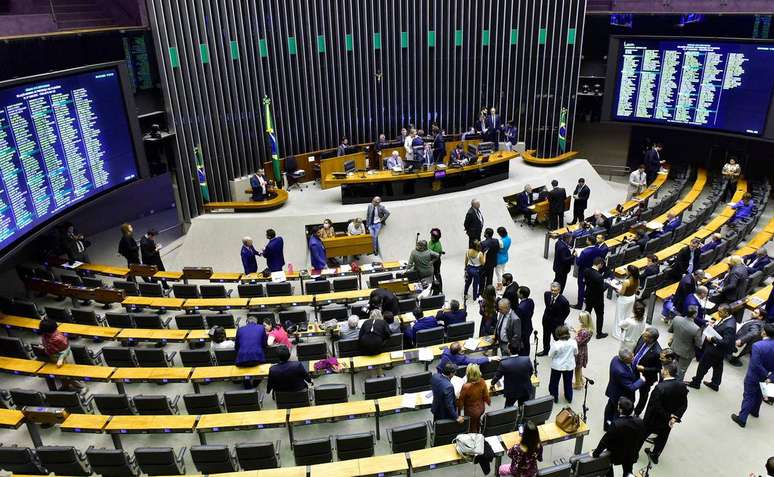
(590, 381)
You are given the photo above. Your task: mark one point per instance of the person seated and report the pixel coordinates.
(394, 324)
(420, 323)
(287, 376)
(458, 157)
(425, 159)
(673, 221)
(356, 227)
(454, 354)
(652, 268)
(277, 335)
(350, 329)
(581, 235)
(745, 208)
(327, 230)
(599, 221)
(757, 261)
(641, 236)
(713, 242)
(218, 339)
(452, 314)
(524, 200)
(748, 334)
(259, 186)
(394, 161)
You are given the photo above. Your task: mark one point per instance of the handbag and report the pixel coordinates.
(469, 446)
(567, 420)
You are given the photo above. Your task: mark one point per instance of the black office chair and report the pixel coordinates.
(279, 289)
(202, 403)
(500, 421)
(407, 438)
(214, 291)
(154, 358)
(317, 287)
(355, 446)
(263, 316)
(72, 280)
(373, 280)
(112, 462)
(92, 282)
(312, 351)
(330, 394)
(150, 321)
(21, 460)
(293, 174)
(225, 357)
(377, 388)
(297, 317)
(152, 289)
(256, 456)
(243, 400)
(15, 348)
(313, 451)
(213, 459)
(60, 315)
(155, 405)
(27, 397)
(345, 284)
(432, 302)
(86, 317)
(226, 320)
(27, 309)
(347, 348)
(129, 288)
(185, 290)
(63, 460)
(460, 331)
(407, 305)
(160, 460)
(559, 470)
(415, 382)
(537, 410)
(394, 343)
(193, 358)
(587, 466)
(119, 320)
(334, 312)
(84, 355)
(250, 290)
(446, 430)
(429, 337)
(291, 399)
(73, 401)
(114, 404)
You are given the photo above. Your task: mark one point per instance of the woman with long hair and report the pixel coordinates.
(525, 454)
(582, 337)
(488, 310)
(474, 397)
(626, 297)
(633, 326)
(474, 259)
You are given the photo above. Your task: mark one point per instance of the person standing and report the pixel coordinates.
(439, 144)
(594, 283)
(273, 251)
(488, 311)
(491, 248)
(686, 337)
(516, 372)
(748, 334)
(128, 247)
(622, 383)
(248, 253)
(563, 260)
(258, 186)
(760, 369)
(524, 310)
(623, 438)
(493, 127)
(556, 199)
(668, 402)
(653, 162)
(562, 353)
(343, 146)
(75, 245)
(444, 403)
(511, 289)
(56, 345)
(627, 295)
(731, 172)
(638, 180)
(502, 255)
(474, 222)
(317, 250)
(474, 259)
(250, 344)
(150, 253)
(582, 338)
(435, 246)
(580, 198)
(557, 309)
(633, 326)
(508, 328)
(474, 397)
(422, 262)
(715, 350)
(374, 332)
(585, 260)
(647, 364)
(525, 454)
(376, 216)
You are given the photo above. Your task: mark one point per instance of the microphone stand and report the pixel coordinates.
(586, 382)
(534, 359)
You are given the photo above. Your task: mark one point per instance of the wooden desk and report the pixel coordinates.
(19, 366)
(11, 418)
(144, 334)
(108, 270)
(550, 434)
(336, 164)
(151, 375)
(150, 424)
(279, 199)
(85, 423)
(77, 371)
(758, 298)
(239, 421)
(434, 457)
(383, 465)
(225, 277)
(215, 303)
(530, 158)
(227, 373)
(172, 276)
(342, 468)
(347, 245)
(153, 302)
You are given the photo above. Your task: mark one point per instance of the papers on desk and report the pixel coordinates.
(345, 269)
(396, 355)
(409, 401)
(73, 265)
(757, 301)
(425, 354)
(277, 277)
(709, 333)
(366, 267)
(494, 442)
(457, 382)
(653, 225)
(403, 263)
(471, 344)
(767, 389)
(328, 271)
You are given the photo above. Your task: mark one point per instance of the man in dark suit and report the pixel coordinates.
(699, 301)
(557, 310)
(563, 260)
(273, 252)
(651, 269)
(439, 144)
(761, 369)
(474, 222)
(517, 372)
(287, 376)
(653, 162)
(524, 310)
(259, 186)
(524, 200)
(623, 383)
(444, 403)
(687, 286)
(490, 246)
(757, 261)
(150, 253)
(581, 200)
(493, 126)
(668, 402)
(595, 293)
(586, 260)
(599, 222)
(511, 289)
(556, 198)
(734, 284)
(715, 350)
(647, 364)
(673, 221)
(623, 438)
(687, 259)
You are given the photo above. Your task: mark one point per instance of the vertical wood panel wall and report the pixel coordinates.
(356, 68)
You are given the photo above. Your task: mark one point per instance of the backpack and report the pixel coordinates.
(469, 446)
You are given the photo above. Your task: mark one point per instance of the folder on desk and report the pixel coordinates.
(366, 267)
(425, 354)
(471, 344)
(494, 442)
(409, 400)
(277, 277)
(396, 355)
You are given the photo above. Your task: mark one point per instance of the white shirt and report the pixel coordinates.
(632, 330)
(354, 230)
(638, 178)
(407, 145)
(562, 354)
(224, 345)
(732, 170)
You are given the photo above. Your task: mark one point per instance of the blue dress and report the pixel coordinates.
(317, 252)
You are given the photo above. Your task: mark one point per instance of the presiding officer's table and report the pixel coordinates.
(360, 188)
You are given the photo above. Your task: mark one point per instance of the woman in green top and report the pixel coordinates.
(435, 246)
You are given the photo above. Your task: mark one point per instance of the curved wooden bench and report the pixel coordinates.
(530, 158)
(260, 206)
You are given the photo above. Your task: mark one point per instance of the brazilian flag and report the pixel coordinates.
(201, 174)
(563, 130)
(275, 162)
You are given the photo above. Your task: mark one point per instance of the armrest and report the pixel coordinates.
(100, 319)
(97, 355)
(237, 321)
(170, 357)
(277, 452)
(175, 401)
(260, 400)
(165, 323)
(228, 293)
(179, 457)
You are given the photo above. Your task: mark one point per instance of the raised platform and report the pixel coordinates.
(259, 206)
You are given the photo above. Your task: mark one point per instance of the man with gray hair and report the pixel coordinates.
(474, 222)
(698, 300)
(248, 254)
(376, 216)
(421, 261)
(508, 328)
(557, 310)
(646, 364)
(623, 382)
(716, 347)
(734, 284)
(349, 330)
(686, 338)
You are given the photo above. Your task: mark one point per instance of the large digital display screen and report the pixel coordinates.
(708, 84)
(63, 140)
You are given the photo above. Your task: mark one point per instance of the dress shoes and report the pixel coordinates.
(738, 421)
(541, 354)
(712, 386)
(601, 336)
(653, 456)
(692, 384)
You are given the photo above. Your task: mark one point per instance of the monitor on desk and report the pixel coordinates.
(349, 166)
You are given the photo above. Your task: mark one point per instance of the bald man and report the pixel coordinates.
(248, 254)
(474, 222)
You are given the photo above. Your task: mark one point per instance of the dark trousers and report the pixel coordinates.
(730, 191)
(472, 237)
(548, 331)
(710, 359)
(642, 401)
(527, 213)
(555, 220)
(577, 215)
(473, 275)
(751, 400)
(598, 307)
(553, 384)
(650, 175)
(561, 279)
(511, 400)
(659, 442)
(627, 469)
(437, 273)
(581, 287)
(487, 276)
(611, 412)
(524, 351)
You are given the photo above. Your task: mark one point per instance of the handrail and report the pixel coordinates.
(53, 13)
(613, 169)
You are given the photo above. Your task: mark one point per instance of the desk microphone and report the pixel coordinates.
(416, 239)
(590, 381)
